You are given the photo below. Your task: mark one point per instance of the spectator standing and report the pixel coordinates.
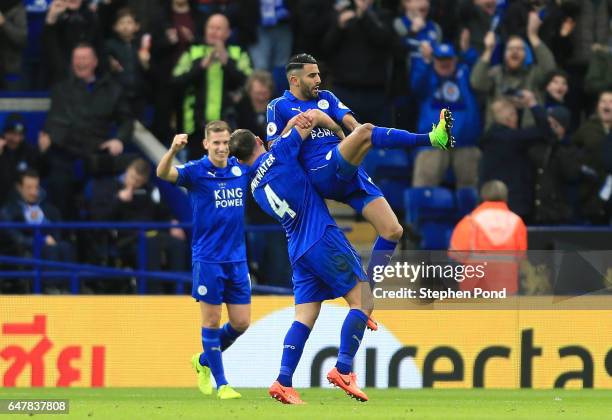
(594, 137)
(516, 72)
(413, 27)
(13, 39)
(312, 19)
(84, 109)
(478, 17)
(173, 36)
(555, 89)
(504, 150)
(207, 73)
(274, 36)
(360, 47)
(598, 76)
(129, 59)
(67, 24)
(557, 164)
(446, 84)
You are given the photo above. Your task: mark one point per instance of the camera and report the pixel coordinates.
(510, 91)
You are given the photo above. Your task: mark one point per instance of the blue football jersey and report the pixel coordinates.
(280, 187)
(217, 203)
(321, 140)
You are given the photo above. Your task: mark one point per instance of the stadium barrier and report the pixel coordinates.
(76, 272)
(103, 341)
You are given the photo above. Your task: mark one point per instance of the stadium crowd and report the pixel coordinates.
(528, 82)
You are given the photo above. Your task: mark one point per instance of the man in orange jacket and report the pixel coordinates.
(491, 227)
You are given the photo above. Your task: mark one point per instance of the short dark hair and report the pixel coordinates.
(242, 143)
(85, 44)
(298, 61)
(28, 173)
(554, 73)
(123, 12)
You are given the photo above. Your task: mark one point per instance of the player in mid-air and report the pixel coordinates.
(325, 265)
(216, 185)
(334, 166)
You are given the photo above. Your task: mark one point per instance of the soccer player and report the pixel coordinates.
(333, 166)
(216, 185)
(325, 265)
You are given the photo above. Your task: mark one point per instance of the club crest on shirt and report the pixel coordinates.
(271, 129)
(323, 104)
(449, 92)
(236, 171)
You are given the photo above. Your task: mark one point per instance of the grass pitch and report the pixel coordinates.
(180, 403)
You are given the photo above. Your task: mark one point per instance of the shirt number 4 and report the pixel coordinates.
(280, 207)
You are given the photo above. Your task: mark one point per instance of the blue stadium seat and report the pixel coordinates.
(394, 190)
(394, 163)
(432, 212)
(428, 204)
(435, 235)
(467, 200)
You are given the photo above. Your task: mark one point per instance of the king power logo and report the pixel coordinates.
(228, 197)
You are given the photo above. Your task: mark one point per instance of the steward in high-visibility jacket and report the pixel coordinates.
(492, 236)
(207, 73)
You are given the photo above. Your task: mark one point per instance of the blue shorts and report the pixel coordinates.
(341, 181)
(329, 269)
(215, 283)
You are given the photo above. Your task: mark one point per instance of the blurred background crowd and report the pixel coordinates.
(528, 81)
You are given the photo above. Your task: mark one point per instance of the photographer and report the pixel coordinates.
(67, 24)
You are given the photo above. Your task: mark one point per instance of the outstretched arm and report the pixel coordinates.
(165, 169)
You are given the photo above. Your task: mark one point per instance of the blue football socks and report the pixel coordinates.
(381, 256)
(212, 347)
(293, 346)
(350, 339)
(227, 336)
(388, 138)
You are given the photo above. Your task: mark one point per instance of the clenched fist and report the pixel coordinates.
(179, 142)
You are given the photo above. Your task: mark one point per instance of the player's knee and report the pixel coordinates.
(211, 321)
(307, 319)
(393, 233)
(366, 128)
(241, 325)
(364, 132)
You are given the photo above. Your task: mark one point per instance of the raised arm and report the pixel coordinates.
(165, 169)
